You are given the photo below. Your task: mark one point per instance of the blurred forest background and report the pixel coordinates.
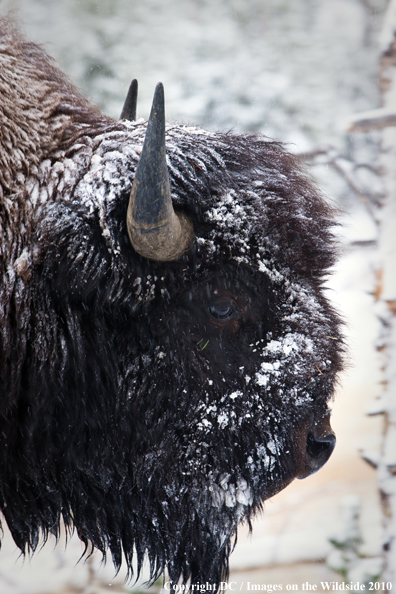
(296, 71)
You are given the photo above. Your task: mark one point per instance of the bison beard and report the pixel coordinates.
(153, 406)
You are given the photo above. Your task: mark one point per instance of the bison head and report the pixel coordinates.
(156, 391)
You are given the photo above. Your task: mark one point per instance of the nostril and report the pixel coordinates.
(319, 449)
(315, 446)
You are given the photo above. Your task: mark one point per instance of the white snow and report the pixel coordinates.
(235, 394)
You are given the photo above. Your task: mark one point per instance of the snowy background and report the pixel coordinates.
(293, 70)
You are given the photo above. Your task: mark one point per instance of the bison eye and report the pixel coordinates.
(223, 311)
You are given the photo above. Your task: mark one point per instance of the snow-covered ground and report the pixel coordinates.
(292, 70)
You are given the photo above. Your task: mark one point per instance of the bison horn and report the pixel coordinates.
(156, 231)
(129, 109)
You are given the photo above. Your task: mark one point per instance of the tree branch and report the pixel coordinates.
(375, 119)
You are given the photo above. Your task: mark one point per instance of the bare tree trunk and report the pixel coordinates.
(387, 295)
(384, 119)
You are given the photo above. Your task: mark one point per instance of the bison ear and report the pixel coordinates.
(156, 231)
(129, 109)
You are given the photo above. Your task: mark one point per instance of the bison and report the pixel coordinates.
(167, 352)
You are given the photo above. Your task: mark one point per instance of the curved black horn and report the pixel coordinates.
(129, 109)
(155, 230)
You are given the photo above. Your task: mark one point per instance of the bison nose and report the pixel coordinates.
(320, 448)
(320, 443)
